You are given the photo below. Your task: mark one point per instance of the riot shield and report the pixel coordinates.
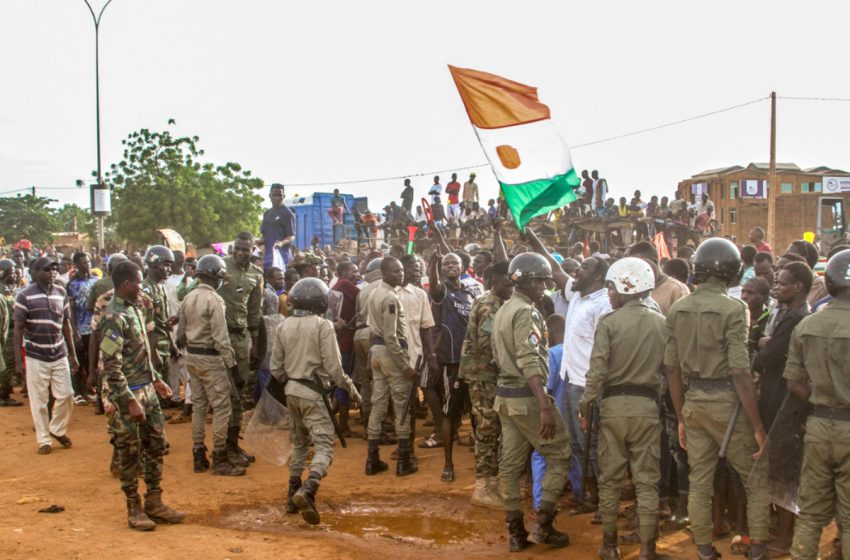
(785, 452)
(269, 431)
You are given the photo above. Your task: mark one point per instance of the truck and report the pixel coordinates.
(312, 219)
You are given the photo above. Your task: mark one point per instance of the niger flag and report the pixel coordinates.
(528, 157)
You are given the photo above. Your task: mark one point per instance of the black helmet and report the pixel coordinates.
(837, 272)
(529, 265)
(374, 264)
(309, 294)
(717, 257)
(115, 260)
(6, 264)
(158, 254)
(211, 266)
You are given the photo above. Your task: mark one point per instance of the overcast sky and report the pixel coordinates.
(324, 91)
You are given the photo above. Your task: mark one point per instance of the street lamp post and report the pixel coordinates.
(96, 19)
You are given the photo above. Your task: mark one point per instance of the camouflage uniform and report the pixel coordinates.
(7, 372)
(159, 317)
(479, 370)
(129, 375)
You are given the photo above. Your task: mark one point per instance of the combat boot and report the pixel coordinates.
(647, 550)
(158, 511)
(136, 518)
(483, 495)
(517, 535)
(405, 465)
(609, 550)
(223, 467)
(199, 458)
(294, 485)
(543, 531)
(304, 499)
(374, 465)
(234, 454)
(233, 440)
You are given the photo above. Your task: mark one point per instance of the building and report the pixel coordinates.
(740, 199)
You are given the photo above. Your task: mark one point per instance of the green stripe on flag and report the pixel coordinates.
(527, 200)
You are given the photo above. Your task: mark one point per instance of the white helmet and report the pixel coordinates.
(631, 275)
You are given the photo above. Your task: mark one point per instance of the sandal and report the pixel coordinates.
(448, 475)
(431, 442)
(740, 545)
(64, 441)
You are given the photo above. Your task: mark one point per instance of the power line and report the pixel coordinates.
(794, 98)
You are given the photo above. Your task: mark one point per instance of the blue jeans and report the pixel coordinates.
(263, 376)
(538, 469)
(573, 395)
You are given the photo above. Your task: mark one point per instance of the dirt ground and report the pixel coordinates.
(242, 517)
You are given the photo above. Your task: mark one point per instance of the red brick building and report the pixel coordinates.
(740, 198)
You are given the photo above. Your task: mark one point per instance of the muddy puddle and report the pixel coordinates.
(421, 521)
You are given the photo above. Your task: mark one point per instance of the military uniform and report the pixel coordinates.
(479, 370)
(7, 372)
(98, 289)
(706, 336)
(209, 356)
(158, 317)
(362, 367)
(130, 374)
(625, 363)
(819, 354)
(521, 351)
(390, 359)
(305, 344)
(242, 292)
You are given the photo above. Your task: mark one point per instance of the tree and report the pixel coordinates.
(160, 183)
(71, 214)
(28, 217)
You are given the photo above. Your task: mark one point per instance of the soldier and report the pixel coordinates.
(361, 338)
(817, 373)
(479, 371)
(628, 351)
(305, 345)
(707, 348)
(242, 292)
(158, 260)
(133, 386)
(8, 279)
(209, 356)
(527, 414)
(392, 376)
(96, 298)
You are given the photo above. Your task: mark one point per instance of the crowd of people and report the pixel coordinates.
(589, 375)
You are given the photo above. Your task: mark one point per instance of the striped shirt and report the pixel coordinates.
(42, 314)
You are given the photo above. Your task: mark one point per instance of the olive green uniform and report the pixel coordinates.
(819, 354)
(129, 373)
(390, 359)
(209, 357)
(242, 292)
(7, 372)
(625, 366)
(159, 315)
(362, 367)
(521, 351)
(305, 344)
(479, 370)
(706, 336)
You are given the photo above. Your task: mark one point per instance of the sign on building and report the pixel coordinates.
(836, 184)
(753, 188)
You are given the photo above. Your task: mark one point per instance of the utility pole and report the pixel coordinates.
(96, 20)
(771, 187)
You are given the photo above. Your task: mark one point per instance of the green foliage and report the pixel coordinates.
(160, 183)
(28, 217)
(84, 220)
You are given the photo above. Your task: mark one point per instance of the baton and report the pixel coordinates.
(406, 408)
(586, 463)
(727, 437)
(328, 408)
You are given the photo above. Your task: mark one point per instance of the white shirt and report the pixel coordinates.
(417, 313)
(171, 284)
(580, 329)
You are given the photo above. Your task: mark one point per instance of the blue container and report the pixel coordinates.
(312, 219)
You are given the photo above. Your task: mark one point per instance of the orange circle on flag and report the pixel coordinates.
(508, 156)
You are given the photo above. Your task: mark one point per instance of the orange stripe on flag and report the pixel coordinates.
(495, 102)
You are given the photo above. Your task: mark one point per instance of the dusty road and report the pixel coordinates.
(242, 517)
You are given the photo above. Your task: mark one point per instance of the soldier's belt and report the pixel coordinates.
(630, 390)
(377, 340)
(710, 385)
(139, 386)
(236, 330)
(202, 351)
(830, 413)
(514, 392)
